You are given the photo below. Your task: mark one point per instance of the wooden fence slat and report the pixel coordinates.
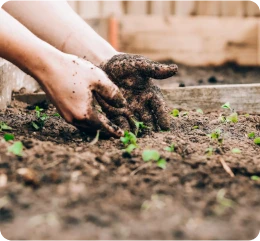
(89, 9)
(193, 40)
(161, 7)
(137, 7)
(252, 9)
(184, 8)
(211, 8)
(232, 8)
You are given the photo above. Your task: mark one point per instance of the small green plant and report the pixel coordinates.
(4, 127)
(216, 135)
(170, 148)
(195, 127)
(257, 140)
(247, 115)
(128, 138)
(153, 155)
(199, 111)
(236, 151)
(175, 113)
(209, 151)
(8, 137)
(130, 148)
(226, 106)
(185, 113)
(140, 126)
(16, 148)
(255, 178)
(56, 115)
(232, 118)
(41, 118)
(251, 135)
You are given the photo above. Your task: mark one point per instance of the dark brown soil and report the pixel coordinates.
(74, 190)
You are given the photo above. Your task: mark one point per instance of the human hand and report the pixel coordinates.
(133, 73)
(70, 83)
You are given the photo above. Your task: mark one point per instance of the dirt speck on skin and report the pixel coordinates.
(96, 192)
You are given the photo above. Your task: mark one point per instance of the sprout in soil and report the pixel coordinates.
(199, 111)
(195, 127)
(175, 113)
(216, 135)
(209, 151)
(130, 148)
(56, 115)
(8, 137)
(129, 140)
(232, 118)
(140, 126)
(251, 135)
(226, 106)
(236, 151)
(153, 155)
(255, 178)
(257, 140)
(170, 148)
(185, 113)
(4, 127)
(16, 148)
(41, 118)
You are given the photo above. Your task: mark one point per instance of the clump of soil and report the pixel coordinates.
(71, 189)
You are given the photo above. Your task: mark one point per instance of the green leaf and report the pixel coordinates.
(215, 134)
(170, 148)
(255, 178)
(161, 163)
(128, 138)
(251, 135)
(257, 140)
(130, 148)
(209, 151)
(150, 155)
(233, 118)
(195, 127)
(175, 113)
(185, 113)
(226, 106)
(247, 115)
(4, 127)
(8, 137)
(56, 114)
(236, 151)
(140, 126)
(35, 126)
(16, 148)
(199, 111)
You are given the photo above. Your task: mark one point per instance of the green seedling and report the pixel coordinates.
(257, 140)
(16, 148)
(175, 113)
(170, 148)
(251, 135)
(226, 106)
(200, 111)
(8, 137)
(232, 118)
(56, 115)
(236, 151)
(185, 113)
(247, 115)
(153, 155)
(255, 178)
(216, 135)
(4, 127)
(140, 126)
(195, 127)
(128, 138)
(130, 148)
(209, 151)
(41, 118)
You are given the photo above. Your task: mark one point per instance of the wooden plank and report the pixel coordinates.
(111, 8)
(208, 98)
(241, 97)
(137, 7)
(192, 40)
(89, 9)
(185, 8)
(208, 8)
(251, 9)
(232, 8)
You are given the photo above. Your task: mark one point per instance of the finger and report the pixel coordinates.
(109, 91)
(160, 109)
(155, 70)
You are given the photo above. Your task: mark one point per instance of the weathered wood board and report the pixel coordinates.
(241, 97)
(192, 40)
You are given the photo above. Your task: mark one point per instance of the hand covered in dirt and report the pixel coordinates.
(71, 83)
(145, 103)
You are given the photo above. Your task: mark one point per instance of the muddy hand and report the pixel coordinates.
(133, 73)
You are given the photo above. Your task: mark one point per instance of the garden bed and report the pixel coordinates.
(72, 189)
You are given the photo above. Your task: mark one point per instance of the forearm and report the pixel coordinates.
(19, 46)
(59, 25)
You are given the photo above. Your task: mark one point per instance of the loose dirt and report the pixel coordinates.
(73, 190)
